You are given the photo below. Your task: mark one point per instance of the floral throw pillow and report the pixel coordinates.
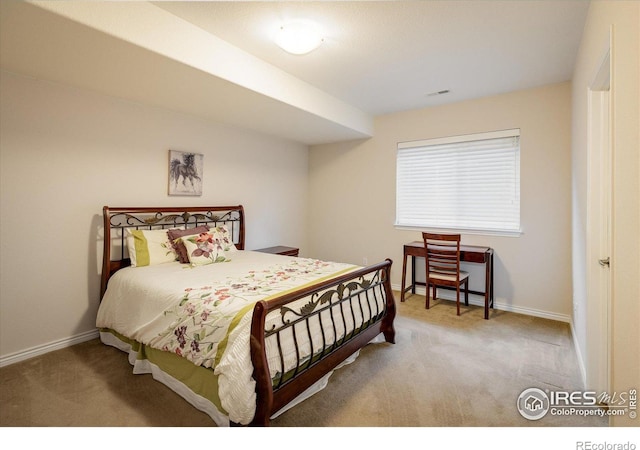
(221, 233)
(175, 236)
(204, 248)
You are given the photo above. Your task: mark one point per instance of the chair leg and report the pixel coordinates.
(466, 293)
(426, 303)
(458, 300)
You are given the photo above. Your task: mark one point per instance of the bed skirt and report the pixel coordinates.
(197, 385)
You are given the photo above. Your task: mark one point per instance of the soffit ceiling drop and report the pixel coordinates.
(216, 60)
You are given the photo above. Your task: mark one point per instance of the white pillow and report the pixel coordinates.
(204, 248)
(149, 247)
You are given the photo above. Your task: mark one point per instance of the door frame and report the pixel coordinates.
(599, 226)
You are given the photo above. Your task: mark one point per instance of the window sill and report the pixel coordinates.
(461, 231)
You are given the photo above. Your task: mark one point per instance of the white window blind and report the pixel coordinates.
(467, 182)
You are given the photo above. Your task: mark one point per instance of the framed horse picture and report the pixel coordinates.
(185, 173)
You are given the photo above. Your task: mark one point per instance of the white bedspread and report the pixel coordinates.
(204, 313)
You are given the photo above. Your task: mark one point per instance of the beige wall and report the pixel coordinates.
(352, 193)
(620, 22)
(64, 153)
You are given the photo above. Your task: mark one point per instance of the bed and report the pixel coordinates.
(241, 335)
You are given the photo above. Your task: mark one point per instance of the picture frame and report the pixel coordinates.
(185, 173)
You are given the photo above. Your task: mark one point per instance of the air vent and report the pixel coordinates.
(433, 94)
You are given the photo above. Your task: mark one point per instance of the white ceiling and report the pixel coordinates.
(378, 57)
(385, 56)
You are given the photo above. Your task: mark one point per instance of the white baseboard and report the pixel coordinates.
(478, 300)
(46, 348)
(581, 365)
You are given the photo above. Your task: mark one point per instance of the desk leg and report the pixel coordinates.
(491, 298)
(487, 285)
(413, 274)
(404, 277)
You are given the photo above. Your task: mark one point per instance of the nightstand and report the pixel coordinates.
(280, 250)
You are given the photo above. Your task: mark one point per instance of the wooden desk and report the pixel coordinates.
(468, 253)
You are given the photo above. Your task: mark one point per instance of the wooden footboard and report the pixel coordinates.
(349, 311)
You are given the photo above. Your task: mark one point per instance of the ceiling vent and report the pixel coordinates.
(433, 94)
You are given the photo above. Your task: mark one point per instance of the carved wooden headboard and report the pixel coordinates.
(118, 220)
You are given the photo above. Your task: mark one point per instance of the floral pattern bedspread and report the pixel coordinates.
(204, 313)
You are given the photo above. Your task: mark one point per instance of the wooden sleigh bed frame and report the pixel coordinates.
(372, 282)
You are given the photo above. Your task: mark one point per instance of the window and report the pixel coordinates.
(469, 183)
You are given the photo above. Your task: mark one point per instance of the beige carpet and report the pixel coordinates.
(443, 371)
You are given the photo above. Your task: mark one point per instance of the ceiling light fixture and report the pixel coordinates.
(298, 37)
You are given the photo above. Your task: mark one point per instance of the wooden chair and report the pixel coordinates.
(443, 265)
